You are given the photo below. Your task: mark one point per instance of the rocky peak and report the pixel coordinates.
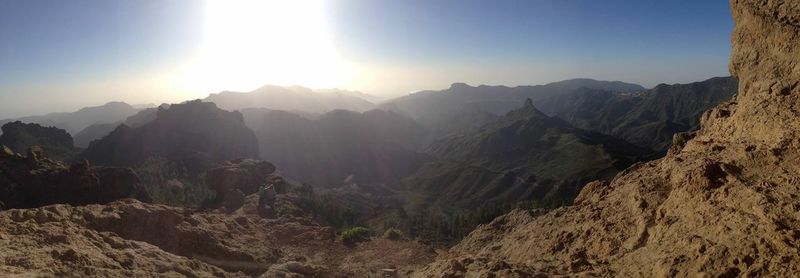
(459, 86)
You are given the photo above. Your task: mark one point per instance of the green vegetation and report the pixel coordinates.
(438, 228)
(393, 234)
(354, 235)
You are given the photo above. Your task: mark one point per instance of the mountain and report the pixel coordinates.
(195, 133)
(340, 146)
(55, 142)
(291, 99)
(722, 203)
(523, 156)
(432, 107)
(74, 122)
(648, 118)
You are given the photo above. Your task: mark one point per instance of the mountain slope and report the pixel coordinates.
(723, 204)
(523, 156)
(93, 132)
(647, 118)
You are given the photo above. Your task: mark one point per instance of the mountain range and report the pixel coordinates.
(74, 122)
(294, 98)
(522, 156)
(646, 118)
(434, 107)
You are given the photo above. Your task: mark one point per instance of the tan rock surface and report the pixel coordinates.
(724, 205)
(129, 238)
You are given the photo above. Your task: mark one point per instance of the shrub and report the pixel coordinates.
(353, 235)
(392, 234)
(679, 139)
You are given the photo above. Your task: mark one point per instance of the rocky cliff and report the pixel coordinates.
(19, 136)
(33, 180)
(723, 204)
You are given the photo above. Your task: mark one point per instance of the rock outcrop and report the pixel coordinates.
(723, 205)
(19, 136)
(33, 180)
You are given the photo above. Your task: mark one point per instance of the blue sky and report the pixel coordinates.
(61, 55)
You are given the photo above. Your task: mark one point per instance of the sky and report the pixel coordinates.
(62, 55)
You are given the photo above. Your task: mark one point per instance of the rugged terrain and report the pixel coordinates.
(32, 179)
(522, 156)
(232, 238)
(722, 203)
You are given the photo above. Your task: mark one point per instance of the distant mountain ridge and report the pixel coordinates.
(432, 107)
(647, 118)
(74, 122)
(292, 98)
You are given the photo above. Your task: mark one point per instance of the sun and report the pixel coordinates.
(249, 43)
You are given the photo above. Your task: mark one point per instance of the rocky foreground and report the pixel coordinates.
(723, 203)
(243, 232)
(128, 238)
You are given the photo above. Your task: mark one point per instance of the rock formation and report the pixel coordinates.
(723, 205)
(195, 134)
(19, 136)
(35, 180)
(128, 238)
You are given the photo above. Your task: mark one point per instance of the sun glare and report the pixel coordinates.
(249, 43)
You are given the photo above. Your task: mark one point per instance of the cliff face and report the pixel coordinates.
(34, 180)
(722, 204)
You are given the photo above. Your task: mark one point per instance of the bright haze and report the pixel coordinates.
(62, 55)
